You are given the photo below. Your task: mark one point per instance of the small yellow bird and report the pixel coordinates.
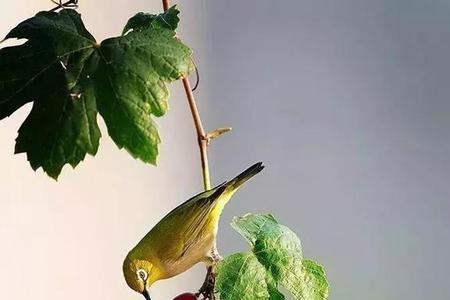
(183, 238)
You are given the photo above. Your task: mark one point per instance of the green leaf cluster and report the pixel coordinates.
(70, 78)
(275, 260)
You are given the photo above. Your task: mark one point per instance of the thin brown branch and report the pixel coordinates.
(166, 4)
(202, 138)
(201, 135)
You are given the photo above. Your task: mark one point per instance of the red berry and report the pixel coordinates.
(186, 296)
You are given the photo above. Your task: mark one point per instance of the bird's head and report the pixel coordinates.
(139, 275)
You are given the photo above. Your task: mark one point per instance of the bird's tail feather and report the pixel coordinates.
(239, 180)
(225, 191)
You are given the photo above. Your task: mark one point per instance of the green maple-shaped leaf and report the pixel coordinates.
(69, 77)
(275, 260)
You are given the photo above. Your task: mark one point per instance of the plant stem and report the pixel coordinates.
(202, 137)
(166, 4)
(67, 3)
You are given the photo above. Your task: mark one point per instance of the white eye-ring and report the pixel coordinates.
(142, 274)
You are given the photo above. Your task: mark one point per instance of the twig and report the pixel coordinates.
(69, 3)
(202, 137)
(216, 133)
(166, 4)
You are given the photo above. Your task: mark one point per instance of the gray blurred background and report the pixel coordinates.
(346, 102)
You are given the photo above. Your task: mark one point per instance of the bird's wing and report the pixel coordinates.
(183, 227)
(193, 222)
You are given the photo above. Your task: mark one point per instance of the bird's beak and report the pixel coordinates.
(146, 295)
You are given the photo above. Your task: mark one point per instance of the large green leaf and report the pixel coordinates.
(69, 77)
(275, 260)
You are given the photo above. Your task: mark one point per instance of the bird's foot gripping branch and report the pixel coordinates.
(207, 289)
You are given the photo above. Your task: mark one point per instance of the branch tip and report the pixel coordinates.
(216, 133)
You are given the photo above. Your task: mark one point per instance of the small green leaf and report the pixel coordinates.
(70, 78)
(142, 21)
(277, 257)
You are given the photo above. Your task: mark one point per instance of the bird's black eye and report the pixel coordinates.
(142, 274)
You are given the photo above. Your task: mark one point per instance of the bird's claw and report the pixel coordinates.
(207, 289)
